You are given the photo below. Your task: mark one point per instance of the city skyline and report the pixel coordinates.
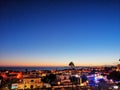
(55, 32)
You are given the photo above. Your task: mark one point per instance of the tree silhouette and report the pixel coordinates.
(49, 78)
(71, 64)
(115, 75)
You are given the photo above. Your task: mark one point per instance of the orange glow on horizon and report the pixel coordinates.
(43, 63)
(48, 65)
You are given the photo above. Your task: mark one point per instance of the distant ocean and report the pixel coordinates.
(34, 68)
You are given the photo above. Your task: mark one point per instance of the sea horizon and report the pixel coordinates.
(31, 68)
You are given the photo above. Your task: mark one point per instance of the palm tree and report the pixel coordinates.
(71, 64)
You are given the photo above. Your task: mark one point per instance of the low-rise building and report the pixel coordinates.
(28, 83)
(118, 67)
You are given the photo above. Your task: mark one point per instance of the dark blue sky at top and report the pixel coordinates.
(59, 26)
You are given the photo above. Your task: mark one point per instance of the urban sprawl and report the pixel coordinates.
(87, 78)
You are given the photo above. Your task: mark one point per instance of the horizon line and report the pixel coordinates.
(57, 66)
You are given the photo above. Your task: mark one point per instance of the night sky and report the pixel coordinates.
(55, 32)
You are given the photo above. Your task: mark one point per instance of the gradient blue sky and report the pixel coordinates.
(55, 32)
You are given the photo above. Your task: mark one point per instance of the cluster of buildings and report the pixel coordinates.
(23, 80)
(51, 80)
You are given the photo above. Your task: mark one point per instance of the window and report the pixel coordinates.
(32, 80)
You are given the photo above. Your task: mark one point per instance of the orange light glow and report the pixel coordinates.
(19, 75)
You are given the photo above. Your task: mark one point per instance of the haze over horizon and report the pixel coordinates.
(55, 32)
